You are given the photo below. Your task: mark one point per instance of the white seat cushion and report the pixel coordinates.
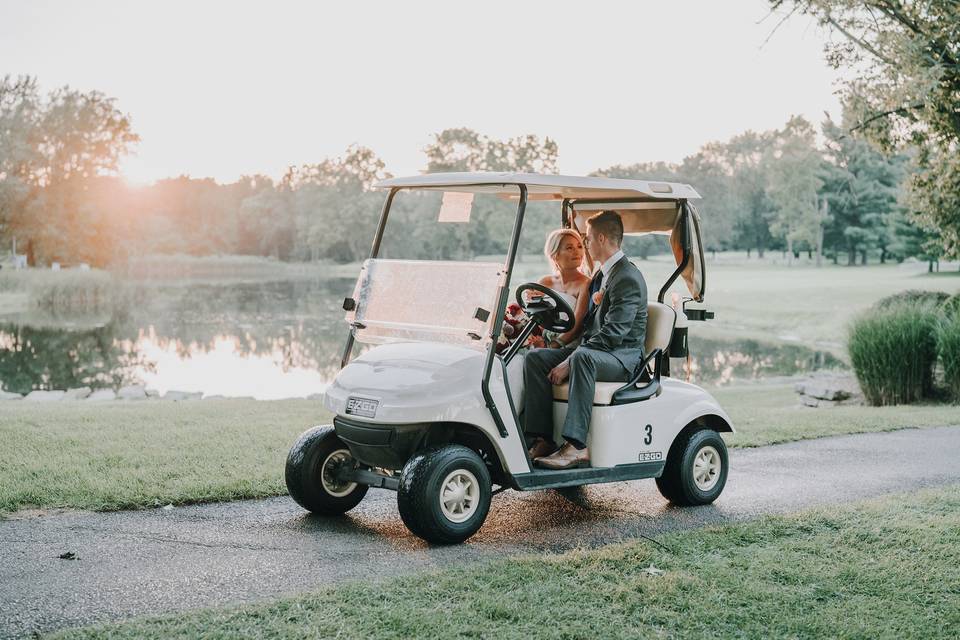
(603, 394)
(660, 322)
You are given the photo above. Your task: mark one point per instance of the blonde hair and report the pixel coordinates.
(554, 239)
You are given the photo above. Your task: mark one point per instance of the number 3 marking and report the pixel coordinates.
(649, 437)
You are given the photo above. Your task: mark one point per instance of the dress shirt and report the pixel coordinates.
(607, 265)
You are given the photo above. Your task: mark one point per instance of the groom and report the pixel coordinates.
(611, 348)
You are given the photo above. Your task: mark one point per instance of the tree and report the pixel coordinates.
(51, 149)
(743, 159)
(906, 55)
(268, 216)
(463, 149)
(333, 209)
(862, 187)
(720, 208)
(910, 240)
(793, 185)
(19, 113)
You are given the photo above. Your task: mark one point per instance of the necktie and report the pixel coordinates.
(591, 307)
(594, 287)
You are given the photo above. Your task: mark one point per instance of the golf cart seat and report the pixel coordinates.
(660, 321)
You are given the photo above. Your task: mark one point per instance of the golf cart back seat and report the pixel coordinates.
(660, 321)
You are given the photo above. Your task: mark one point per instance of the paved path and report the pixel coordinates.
(146, 562)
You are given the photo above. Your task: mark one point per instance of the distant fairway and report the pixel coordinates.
(765, 301)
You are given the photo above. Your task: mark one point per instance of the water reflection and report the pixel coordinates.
(228, 366)
(720, 362)
(266, 340)
(263, 339)
(43, 358)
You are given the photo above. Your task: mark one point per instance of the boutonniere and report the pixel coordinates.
(598, 296)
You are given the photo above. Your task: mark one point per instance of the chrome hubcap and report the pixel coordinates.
(706, 468)
(459, 495)
(328, 474)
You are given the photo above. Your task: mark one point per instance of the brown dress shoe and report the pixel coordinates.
(568, 457)
(542, 447)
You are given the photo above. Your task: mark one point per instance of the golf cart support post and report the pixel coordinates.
(501, 297)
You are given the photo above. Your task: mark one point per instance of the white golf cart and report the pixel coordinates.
(431, 411)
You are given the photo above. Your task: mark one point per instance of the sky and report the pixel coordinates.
(224, 89)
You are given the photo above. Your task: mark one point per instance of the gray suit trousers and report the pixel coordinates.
(587, 367)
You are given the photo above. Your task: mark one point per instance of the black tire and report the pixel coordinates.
(677, 483)
(421, 483)
(305, 483)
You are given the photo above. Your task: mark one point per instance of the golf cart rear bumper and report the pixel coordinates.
(387, 446)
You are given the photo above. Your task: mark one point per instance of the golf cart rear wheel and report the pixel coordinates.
(444, 494)
(312, 473)
(696, 469)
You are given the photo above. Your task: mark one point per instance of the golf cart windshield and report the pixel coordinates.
(422, 300)
(437, 274)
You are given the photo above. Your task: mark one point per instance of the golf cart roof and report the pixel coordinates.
(644, 206)
(544, 187)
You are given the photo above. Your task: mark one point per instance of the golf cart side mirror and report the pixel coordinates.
(349, 304)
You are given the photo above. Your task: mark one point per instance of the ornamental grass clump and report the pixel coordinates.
(948, 347)
(951, 306)
(913, 298)
(893, 352)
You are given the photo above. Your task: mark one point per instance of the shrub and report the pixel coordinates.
(948, 347)
(913, 297)
(951, 306)
(893, 352)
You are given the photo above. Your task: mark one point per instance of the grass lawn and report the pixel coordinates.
(140, 454)
(128, 455)
(885, 569)
(769, 414)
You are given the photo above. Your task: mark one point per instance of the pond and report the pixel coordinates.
(265, 340)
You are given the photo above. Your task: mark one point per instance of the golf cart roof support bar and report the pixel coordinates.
(565, 213)
(685, 221)
(498, 318)
(578, 201)
(374, 250)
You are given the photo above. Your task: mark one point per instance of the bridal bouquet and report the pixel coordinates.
(514, 321)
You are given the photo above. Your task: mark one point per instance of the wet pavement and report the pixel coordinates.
(159, 561)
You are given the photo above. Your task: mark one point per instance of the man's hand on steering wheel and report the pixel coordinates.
(548, 309)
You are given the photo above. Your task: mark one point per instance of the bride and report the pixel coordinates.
(564, 250)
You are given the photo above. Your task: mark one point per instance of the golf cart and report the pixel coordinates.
(431, 409)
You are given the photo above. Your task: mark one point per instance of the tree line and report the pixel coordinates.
(834, 195)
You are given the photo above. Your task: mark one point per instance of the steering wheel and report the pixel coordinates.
(549, 310)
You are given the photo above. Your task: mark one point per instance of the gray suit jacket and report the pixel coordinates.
(619, 325)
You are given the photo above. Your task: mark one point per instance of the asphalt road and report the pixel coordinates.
(147, 562)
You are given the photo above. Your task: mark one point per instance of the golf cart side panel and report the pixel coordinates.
(415, 384)
(642, 432)
(705, 406)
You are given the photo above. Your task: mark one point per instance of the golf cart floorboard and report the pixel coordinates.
(547, 479)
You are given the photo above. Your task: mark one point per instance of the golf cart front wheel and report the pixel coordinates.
(696, 469)
(314, 466)
(444, 494)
